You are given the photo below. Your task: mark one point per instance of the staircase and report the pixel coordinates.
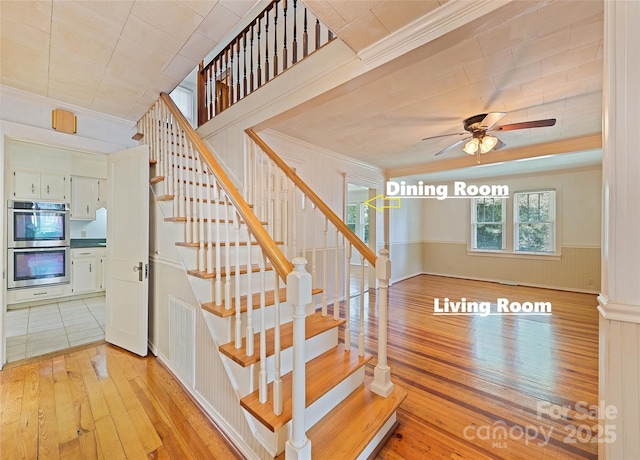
(305, 393)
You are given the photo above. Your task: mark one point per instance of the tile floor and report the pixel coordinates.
(38, 330)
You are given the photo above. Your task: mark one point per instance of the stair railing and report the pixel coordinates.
(267, 177)
(216, 218)
(284, 33)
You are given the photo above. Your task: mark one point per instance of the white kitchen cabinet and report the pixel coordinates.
(85, 266)
(36, 185)
(88, 273)
(101, 199)
(83, 198)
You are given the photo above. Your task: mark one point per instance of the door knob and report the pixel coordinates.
(138, 268)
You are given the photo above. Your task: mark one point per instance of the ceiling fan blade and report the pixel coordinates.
(490, 120)
(526, 125)
(454, 145)
(444, 135)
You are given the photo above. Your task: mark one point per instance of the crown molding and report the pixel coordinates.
(618, 311)
(442, 20)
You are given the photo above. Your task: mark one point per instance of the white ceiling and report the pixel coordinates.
(112, 56)
(533, 60)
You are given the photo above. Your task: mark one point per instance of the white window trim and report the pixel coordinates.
(553, 222)
(473, 232)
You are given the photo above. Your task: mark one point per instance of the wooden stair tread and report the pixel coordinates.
(269, 299)
(156, 179)
(164, 197)
(349, 427)
(315, 324)
(322, 374)
(243, 270)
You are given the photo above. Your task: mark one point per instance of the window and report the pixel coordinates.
(183, 98)
(352, 216)
(534, 221)
(488, 223)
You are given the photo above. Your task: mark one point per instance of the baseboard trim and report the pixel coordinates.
(489, 280)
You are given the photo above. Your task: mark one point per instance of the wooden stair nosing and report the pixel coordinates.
(164, 197)
(269, 299)
(322, 374)
(243, 270)
(337, 435)
(315, 324)
(156, 179)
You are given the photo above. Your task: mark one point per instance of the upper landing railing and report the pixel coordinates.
(284, 33)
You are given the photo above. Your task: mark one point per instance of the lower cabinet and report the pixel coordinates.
(87, 270)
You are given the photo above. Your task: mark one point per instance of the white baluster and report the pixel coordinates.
(183, 177)
(178, 164)
(361, 332)
(303, 204)
(250, 347)
(262, 211)
(262, 388)
(201, 251)
(325, 280)
(198, 184)
(270, 184)
(314, 275)
(188, 199)
(382, 384)
(299, 295)
(278, 233)
(294, 223)
(238, 342)
(227, 254)
(170, 162)
(218, 288)
(336, 279)
(347, 296)
(209, 225)
(277, 380)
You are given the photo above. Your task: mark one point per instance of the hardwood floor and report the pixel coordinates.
(102, 403)
(474, 384)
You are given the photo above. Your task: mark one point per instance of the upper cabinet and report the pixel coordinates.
(102, 194)
(36, 185)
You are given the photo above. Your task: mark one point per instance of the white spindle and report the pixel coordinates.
(249, 344)
(197, 183)
(277, 380)
(314, 275)
(336, 280)
(170, 150)
(278, 233)
(178, 164)
(262, 212)
(382, 384)
(188, 196)
(298, 295)
(361, 332)
(165, 154)
(294, 223)
(201, 251)
(227, 254)
(270, 188)
(208, 203)
(303, 204)
(183, 177)
(217, 198)
(262, 388)
(347, 295)
(325, 270)
(238, 342)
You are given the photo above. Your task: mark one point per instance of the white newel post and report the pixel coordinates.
(299, 296)
(382, 373)
(619, 301)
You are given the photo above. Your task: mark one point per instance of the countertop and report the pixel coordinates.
(88, 243)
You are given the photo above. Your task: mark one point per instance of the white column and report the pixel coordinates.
(298, 295)
(619, 301)
(382, 373)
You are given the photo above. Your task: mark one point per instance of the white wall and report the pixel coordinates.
(446, 235)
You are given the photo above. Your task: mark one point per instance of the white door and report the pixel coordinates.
(128, 249)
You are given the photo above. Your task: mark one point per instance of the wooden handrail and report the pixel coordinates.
(278, 260)
(315, 199)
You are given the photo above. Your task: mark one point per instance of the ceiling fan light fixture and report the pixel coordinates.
(472, 146)
(488, 143)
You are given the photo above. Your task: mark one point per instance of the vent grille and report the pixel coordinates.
(182, 326)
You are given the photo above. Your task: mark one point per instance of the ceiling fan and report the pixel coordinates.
(478, 141)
